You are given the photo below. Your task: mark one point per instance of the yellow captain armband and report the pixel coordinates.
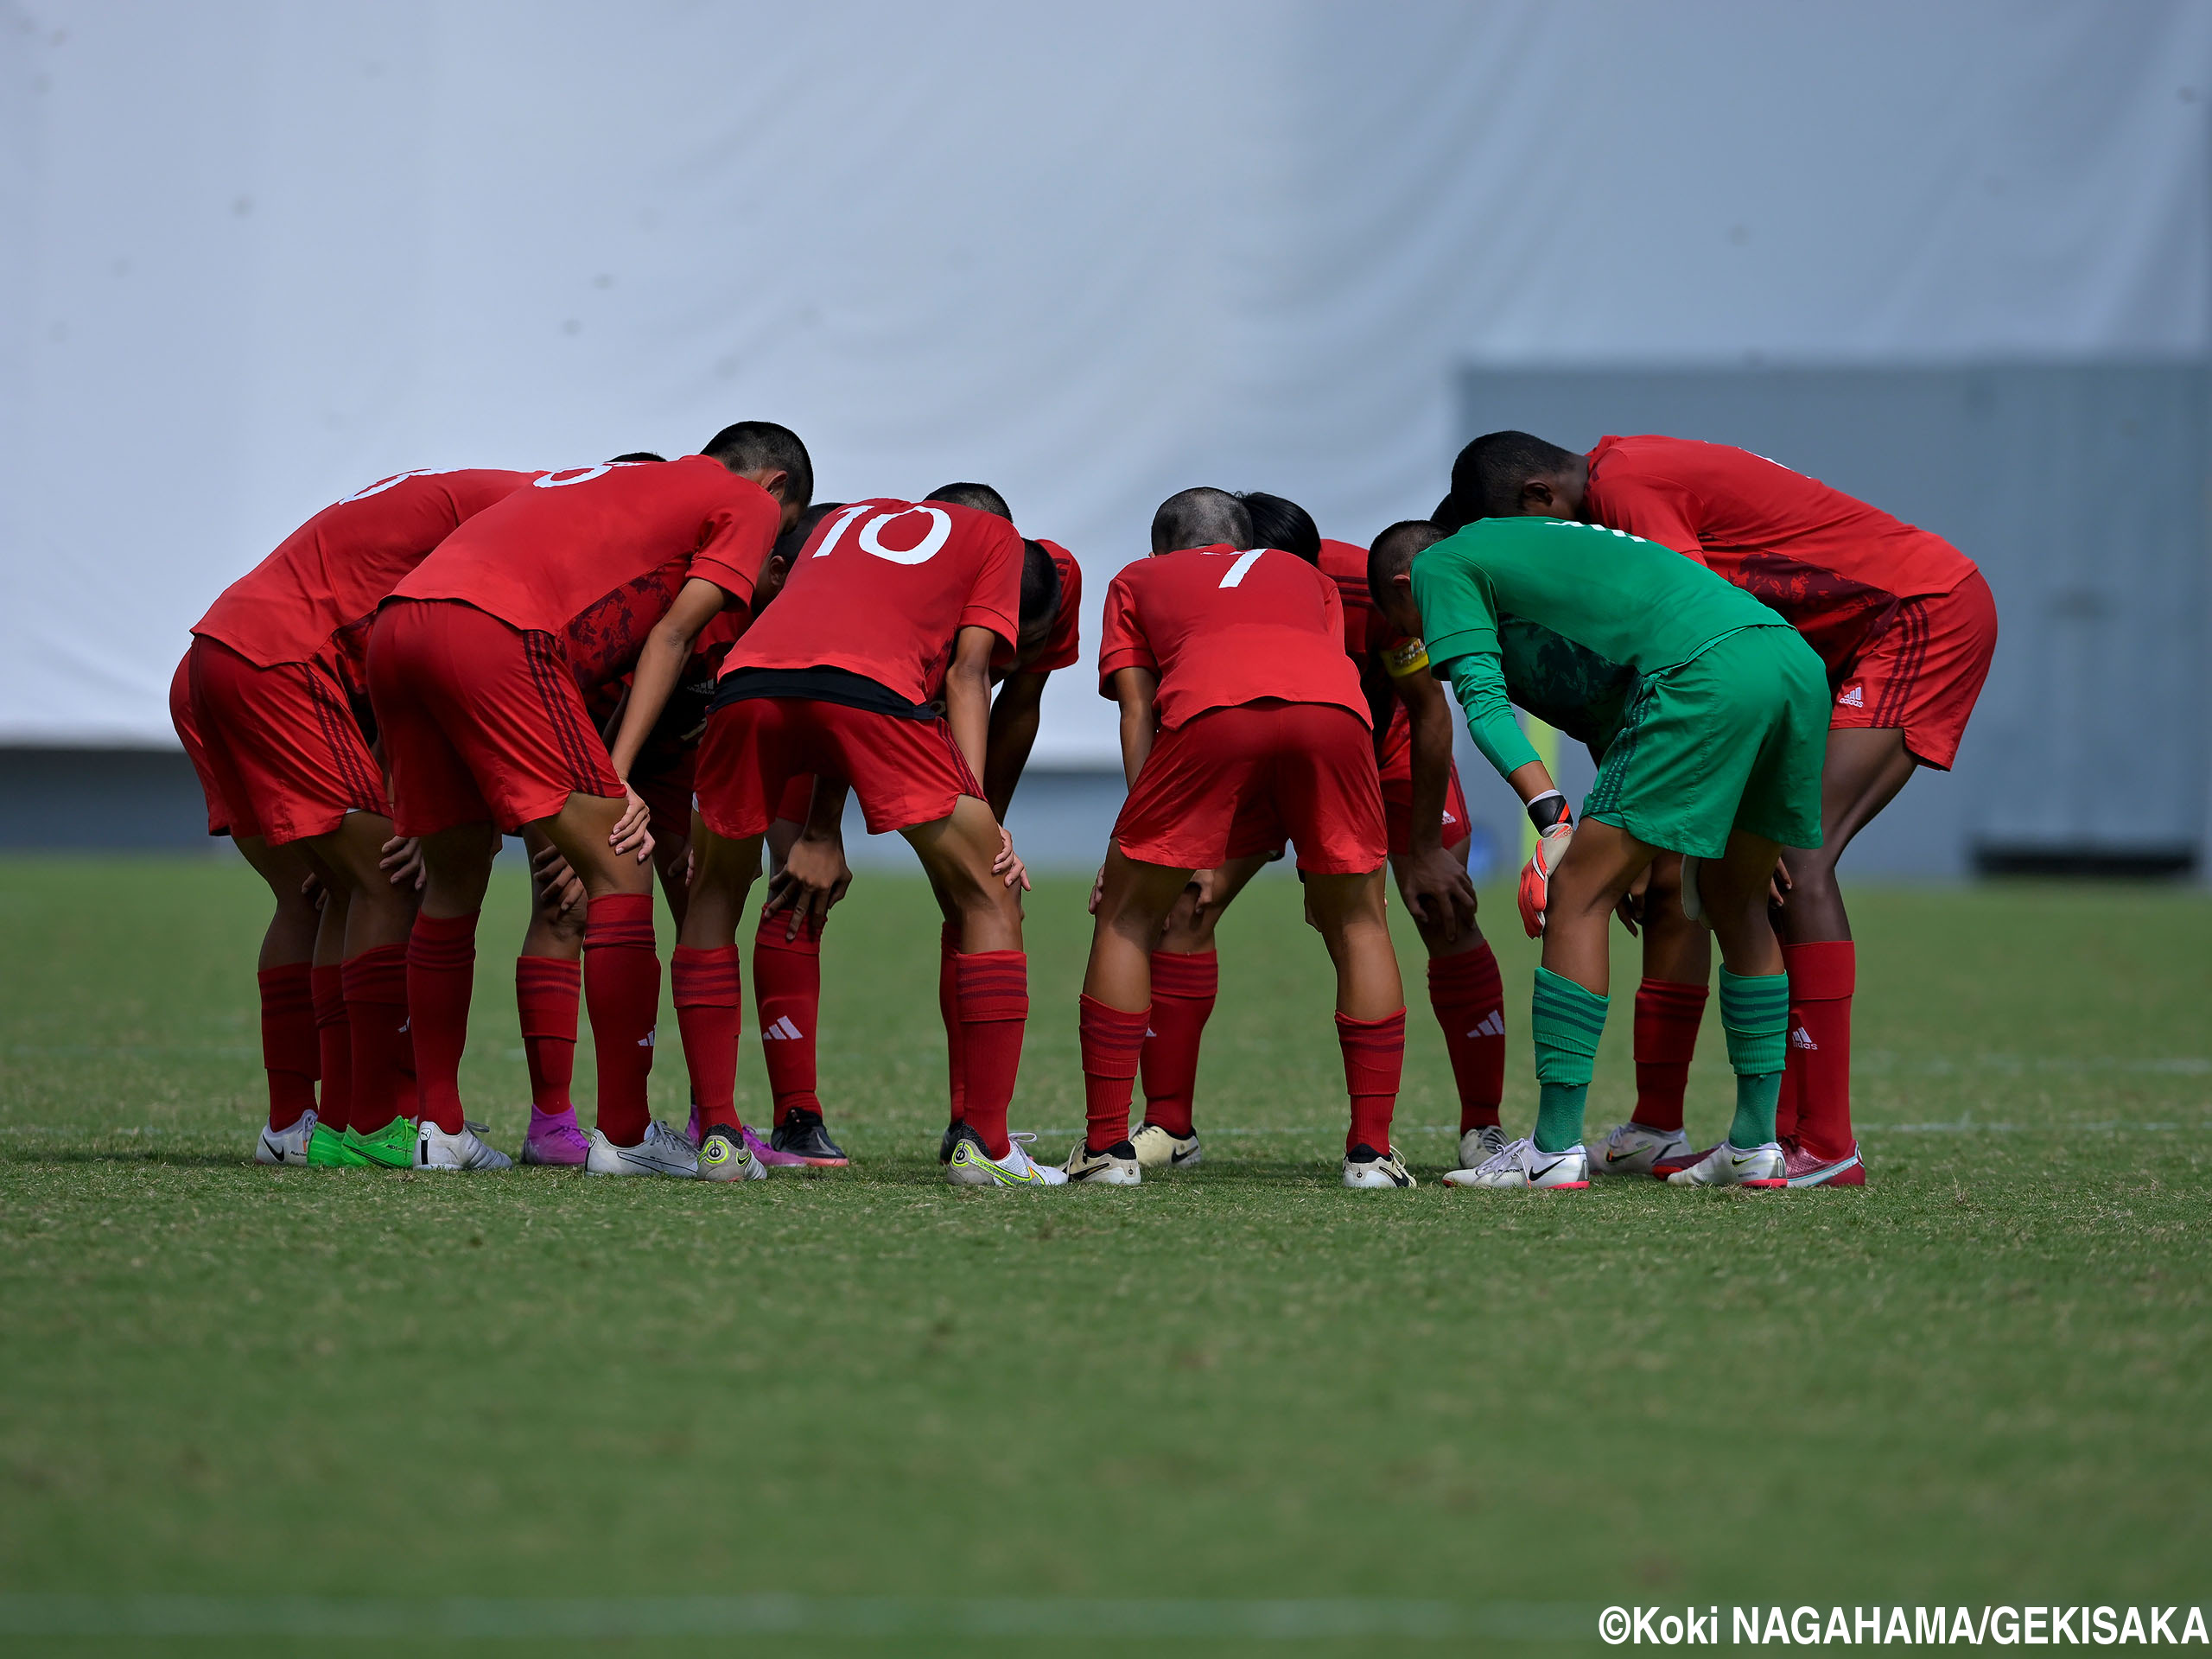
(1406, 658)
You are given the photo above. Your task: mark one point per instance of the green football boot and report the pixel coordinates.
(391, 1148)
(328, 1150)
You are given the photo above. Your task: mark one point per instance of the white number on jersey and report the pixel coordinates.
(1244, 561)
(870, 539)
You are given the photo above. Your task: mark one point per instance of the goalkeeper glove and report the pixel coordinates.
(1555, 832)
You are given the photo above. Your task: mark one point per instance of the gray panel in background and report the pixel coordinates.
(2081, 490)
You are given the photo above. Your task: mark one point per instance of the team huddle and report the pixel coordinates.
(675, 673)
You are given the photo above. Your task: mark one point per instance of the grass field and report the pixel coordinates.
(1981, 1378)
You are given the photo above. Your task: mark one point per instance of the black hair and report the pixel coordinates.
(1279, 522)
(753, 446)
(1040, 587)
(1486, 479)
(982, 497)
(1201, 517)
(791, 541)
(1447, 516)
(1394, 550)
(635, 455)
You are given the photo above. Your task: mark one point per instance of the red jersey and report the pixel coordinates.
(329, 576)
(882, 589)
(1063, 649)
(1835, 567)
(1222, 627)
(1368, 636)
(596, 555)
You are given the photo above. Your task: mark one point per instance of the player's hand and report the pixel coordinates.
(1009, 863)
(1097, 889)
(403, 861)
(630, 830)
(1778, 884)
(814, 877)
(1536, 876)
(554, 886)
(1631, 906)
(313, 891)
(1439, 891)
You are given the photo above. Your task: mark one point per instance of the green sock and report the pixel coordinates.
(1755, 1016)
(1566, 1023)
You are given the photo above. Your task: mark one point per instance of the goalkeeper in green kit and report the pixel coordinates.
(1717, 756)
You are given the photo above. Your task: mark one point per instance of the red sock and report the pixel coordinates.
(948, 1007)
(1112, 1041)
(383, 1050)
(622, 990)
(440, 974)
(1183, 990)
(1667, 1016)
(289, 1050)
(1375, 1059)
(787, 991)
(334, 1046)
(546, 993)
(709, 1014)
(1469, 998)
(994, 993)
(1823, 977)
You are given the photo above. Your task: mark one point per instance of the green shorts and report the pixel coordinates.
(1732, 739)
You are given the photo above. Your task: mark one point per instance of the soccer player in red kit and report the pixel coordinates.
(1905, 625)
(478, 667)
(1429, 830)
(1243, 726)
(265, 704)
(892, 606)
(787, 946)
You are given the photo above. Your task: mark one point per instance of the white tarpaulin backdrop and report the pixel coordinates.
(254, 254)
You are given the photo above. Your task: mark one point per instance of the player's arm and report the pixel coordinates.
(1436, 885)
(1013, 734)
(1478, 680)
(968, 693)
(660, 664)
(815, 874)
(1135, 690)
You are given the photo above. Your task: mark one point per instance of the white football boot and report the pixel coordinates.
(286, 1146)
(663, 1152)
(1632, 1149)
(1366, 1169)
(1521, 1166)
(1731, 1165)
(1116, 1167)
(970, 1166)
(723, 1156)
(1479, 1146)
(1158, 1148)
(435, 1149)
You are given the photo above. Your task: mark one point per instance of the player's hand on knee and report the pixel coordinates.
(814, 877)
(1097, 889)
(403, 861)
(1009, 865)
(1778, 884)
(631, 834)
(553, 885)
(1439, 891)
(1536, 875)
(1634, 901)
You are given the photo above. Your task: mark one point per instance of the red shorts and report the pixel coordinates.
(1232, 782)
(1924, 673)
(277, 750)
(1398, 801)
(481, 721)
(757, 752)
(667, 796)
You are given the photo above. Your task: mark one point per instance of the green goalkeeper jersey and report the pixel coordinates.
(1625, 603)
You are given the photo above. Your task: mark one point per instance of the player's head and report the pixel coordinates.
(1201, 517)
(1390, 570)
(1279, 523)
(982, 497)
(635, 456)
(1040, 602)
(776, 567)
(1513, 475)
(772, 457)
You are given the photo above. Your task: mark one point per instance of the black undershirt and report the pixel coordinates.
(837, 685)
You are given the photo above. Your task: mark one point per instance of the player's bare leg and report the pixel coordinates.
(1350, 914)
(1467, 996)
(787, 1000)
(549, 987)
(1862, 773)
(1669, 1007)
(289, 1051)
(1185, 979)
(1134, 900)
(621, 984)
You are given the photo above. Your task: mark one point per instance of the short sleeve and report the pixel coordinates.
(735, 540)
(994, 600)
(1063, 649)
(1456, 614)
(1122, 642)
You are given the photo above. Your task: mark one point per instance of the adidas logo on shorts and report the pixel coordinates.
(1854, 696)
